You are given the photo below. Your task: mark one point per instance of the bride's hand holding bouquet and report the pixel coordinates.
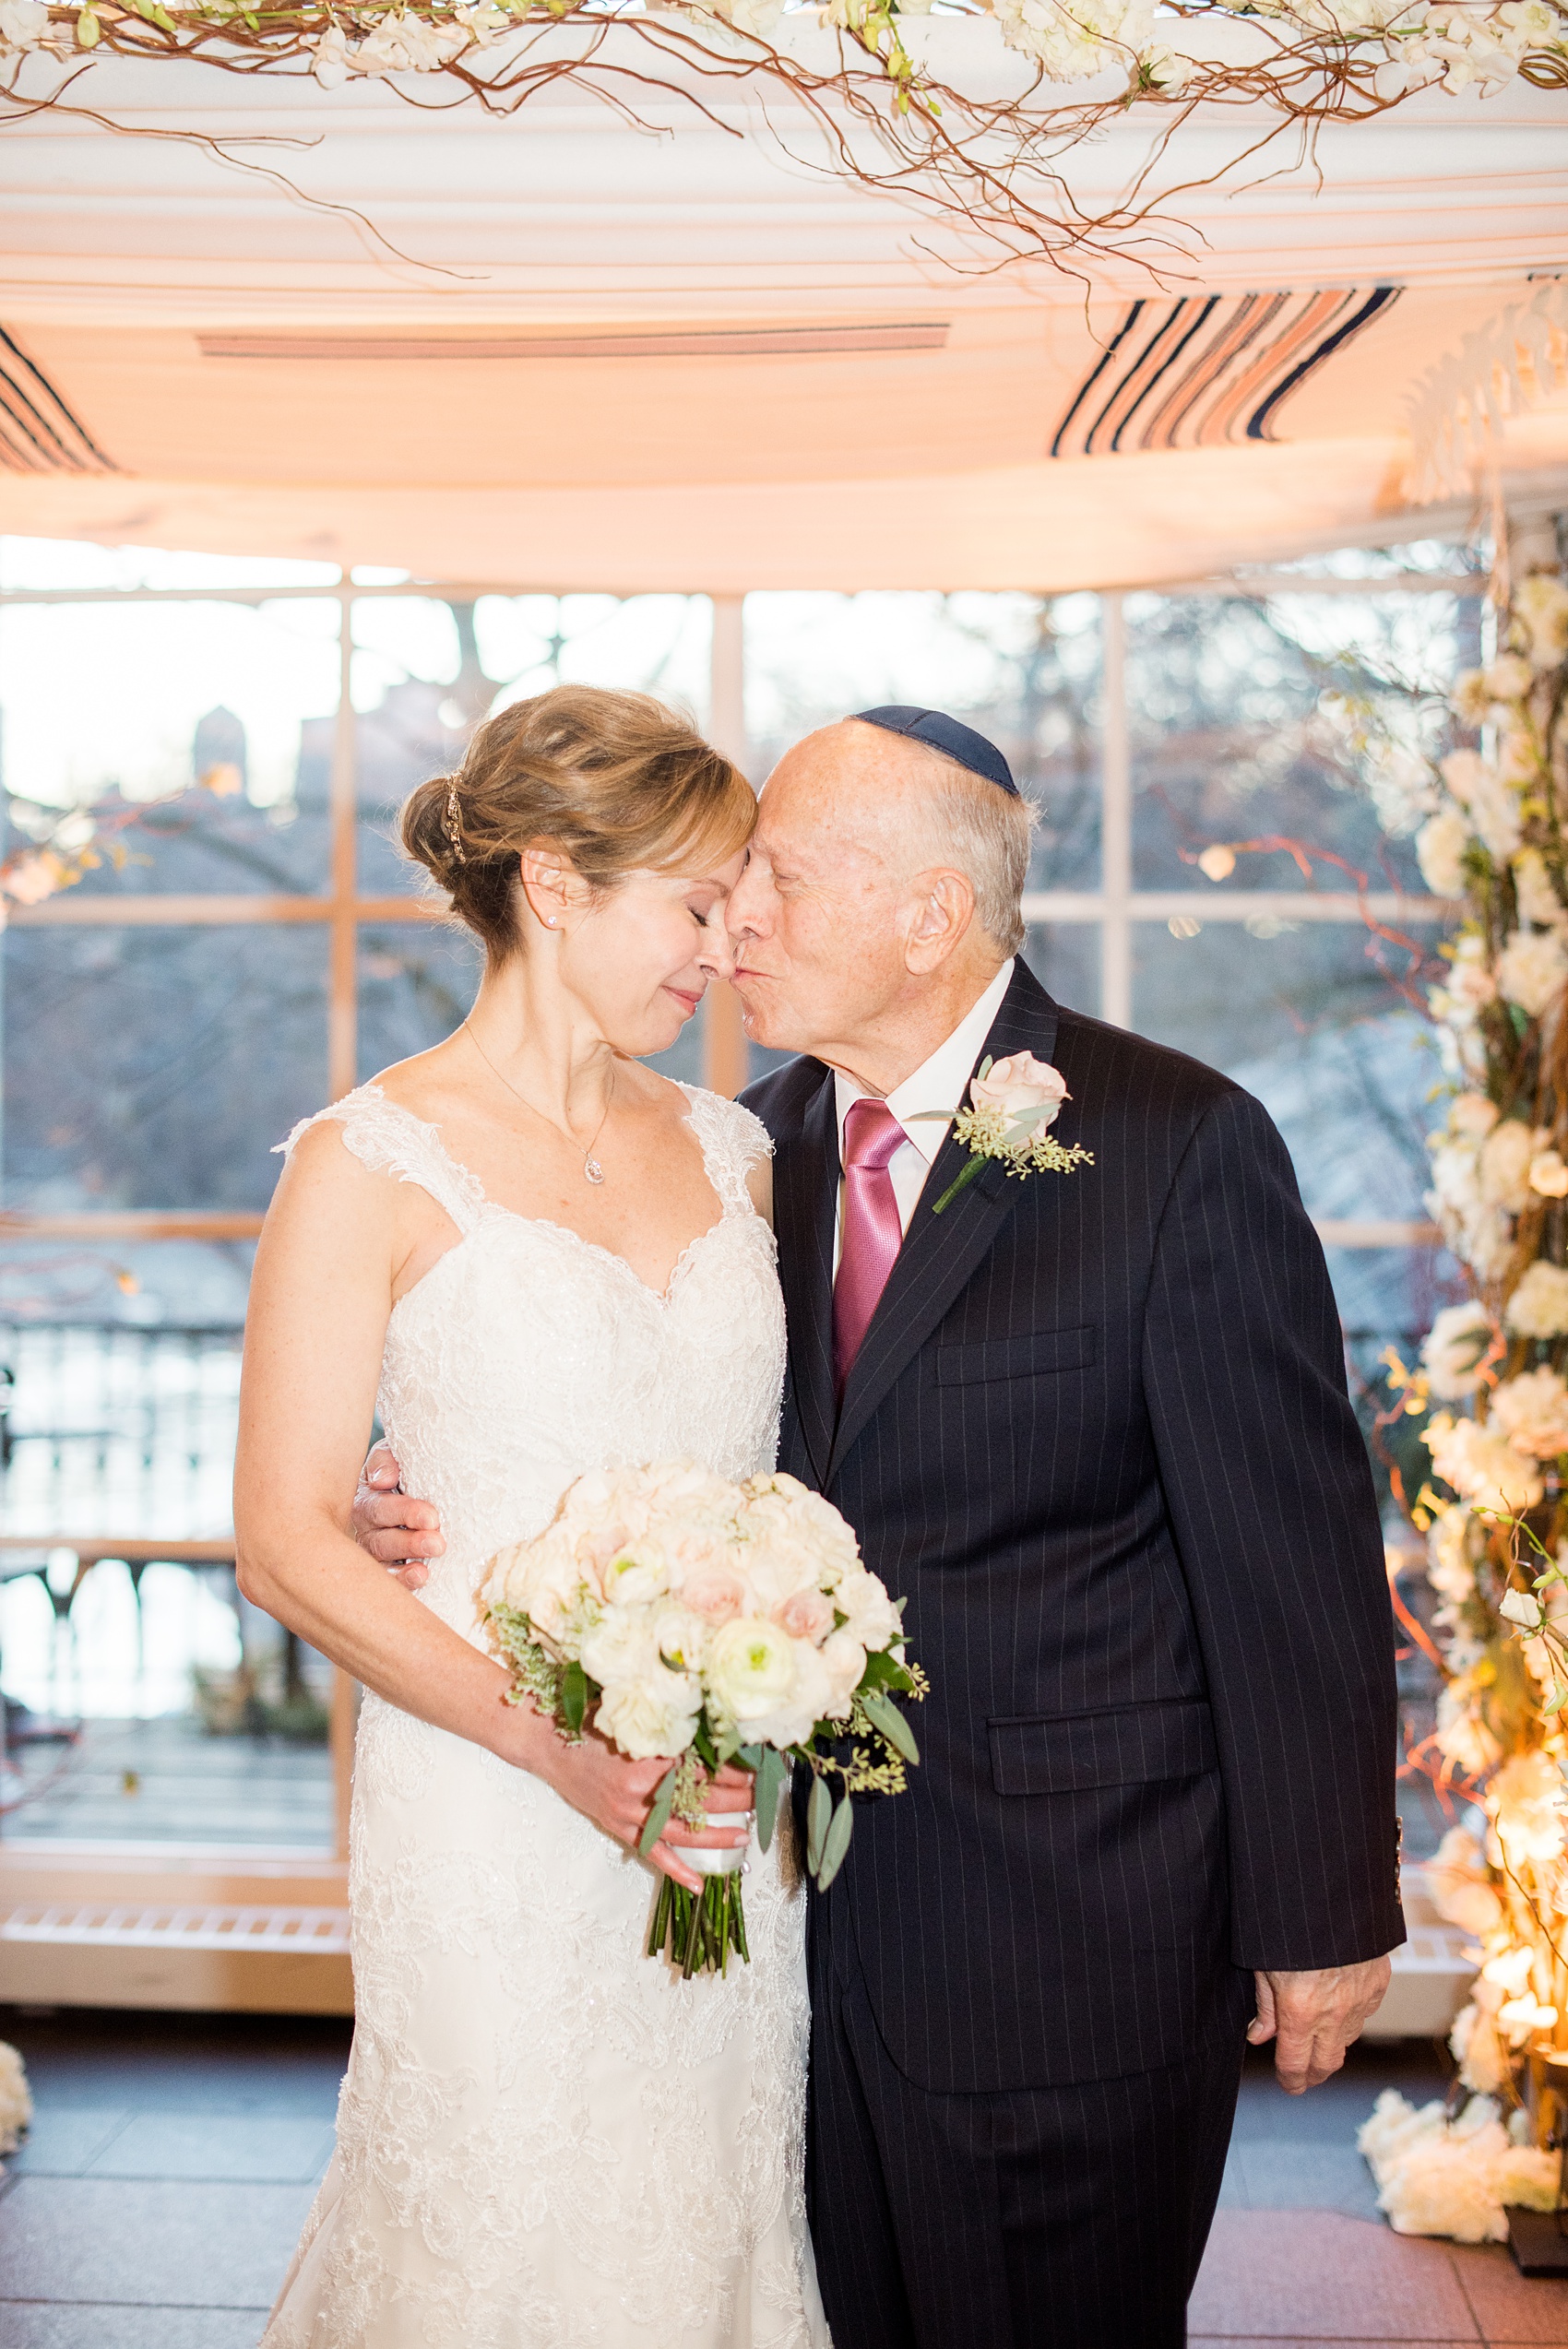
(695, 1624)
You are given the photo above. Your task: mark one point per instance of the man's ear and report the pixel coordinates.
(937, 914)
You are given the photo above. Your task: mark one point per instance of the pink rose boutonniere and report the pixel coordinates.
(1012, 1103)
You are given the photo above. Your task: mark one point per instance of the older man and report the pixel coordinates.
(1093, 1425)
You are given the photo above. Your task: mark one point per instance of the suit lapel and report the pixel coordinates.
(804, 1203)
(940, 1252)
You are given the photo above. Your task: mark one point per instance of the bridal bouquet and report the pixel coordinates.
(712, 1623)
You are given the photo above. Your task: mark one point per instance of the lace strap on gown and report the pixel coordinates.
(390, 1140)
(732, 1142)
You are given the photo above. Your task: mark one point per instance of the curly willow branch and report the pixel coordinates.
(993, 165)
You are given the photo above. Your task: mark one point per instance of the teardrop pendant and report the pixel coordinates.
(593, 1170)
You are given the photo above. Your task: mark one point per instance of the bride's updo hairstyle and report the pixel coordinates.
(615, 781)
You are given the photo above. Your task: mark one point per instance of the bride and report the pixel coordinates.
(534, 1257)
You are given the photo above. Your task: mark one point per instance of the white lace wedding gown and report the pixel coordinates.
(545, 2140)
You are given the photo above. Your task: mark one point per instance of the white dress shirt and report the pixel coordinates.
(937, 1084)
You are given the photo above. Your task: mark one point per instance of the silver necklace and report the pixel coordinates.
(592, 1170)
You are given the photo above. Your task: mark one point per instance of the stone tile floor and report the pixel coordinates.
(174, 2157)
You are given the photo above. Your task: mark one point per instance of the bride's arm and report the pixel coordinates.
(319, 1305)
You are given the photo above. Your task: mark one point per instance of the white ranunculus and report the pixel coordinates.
(1532, 1412)
(652, 1714)
(1483, 1469)
(809, 1701)
(1440, 851)
(680, 1636)
(1539, 1307)
(751, 1669)
(1538, 901)
(637, 1573)
(1549, 1174)
(1021, 1083)
(1505, 1165)
(1532, 970)
(1454, 1347)
(1541, 601)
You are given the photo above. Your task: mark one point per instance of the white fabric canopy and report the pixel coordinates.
(615, 360)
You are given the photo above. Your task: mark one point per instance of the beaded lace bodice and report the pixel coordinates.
(544, 2139)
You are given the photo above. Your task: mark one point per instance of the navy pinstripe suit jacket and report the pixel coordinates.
(1099, 1436)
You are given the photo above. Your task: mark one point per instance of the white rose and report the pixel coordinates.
(1549, 1174)
(1539, 1307)
(751, 1667)
(1505, 1164)
(868, 1612)
(620, 1647)
(1532, 1412)
(1538, 900)
(1532, 970)
(1452, 1355)
(844, 1661)
(1508, 678)
(1472, 1113)
(1020, 1083)
(1482, 1469)
(1440, 851)
(653, 1715)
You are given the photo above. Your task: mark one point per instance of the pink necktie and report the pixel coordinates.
(873, 1234)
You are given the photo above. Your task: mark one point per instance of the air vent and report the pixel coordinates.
(703, 342)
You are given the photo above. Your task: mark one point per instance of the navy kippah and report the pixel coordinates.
(940, 732)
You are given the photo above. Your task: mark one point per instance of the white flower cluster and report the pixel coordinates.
(1459, 43)
(1075, 40)
(1437, 2177)
(405, 43)
(1486, 1170)
(683, 1596)
(1511, 1998)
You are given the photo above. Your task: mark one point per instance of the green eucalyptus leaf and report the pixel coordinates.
(574, 1696)
(884, 1715)
(819, 1812)
(772, 1776)
(658, 1817)
(836, 1843)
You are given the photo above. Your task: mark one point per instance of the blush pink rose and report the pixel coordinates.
(806, 1615)
(716, 1592)
(1018, 1083)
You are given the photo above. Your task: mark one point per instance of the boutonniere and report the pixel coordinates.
(1012, 1103)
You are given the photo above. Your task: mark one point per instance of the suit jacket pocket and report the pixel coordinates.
(1073, 1753)
(1016, 1358)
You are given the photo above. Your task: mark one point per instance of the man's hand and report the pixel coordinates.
(400, 1532)
(1313, 2017)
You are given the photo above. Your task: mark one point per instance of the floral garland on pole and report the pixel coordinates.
(1492, 1391)
(992, 162)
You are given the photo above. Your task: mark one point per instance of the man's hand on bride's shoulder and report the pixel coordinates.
(389, 1525)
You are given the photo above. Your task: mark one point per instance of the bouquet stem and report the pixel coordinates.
(700, 1930)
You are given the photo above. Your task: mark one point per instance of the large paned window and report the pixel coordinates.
(249, 944)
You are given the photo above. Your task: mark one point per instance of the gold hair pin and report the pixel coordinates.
(453, 828)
